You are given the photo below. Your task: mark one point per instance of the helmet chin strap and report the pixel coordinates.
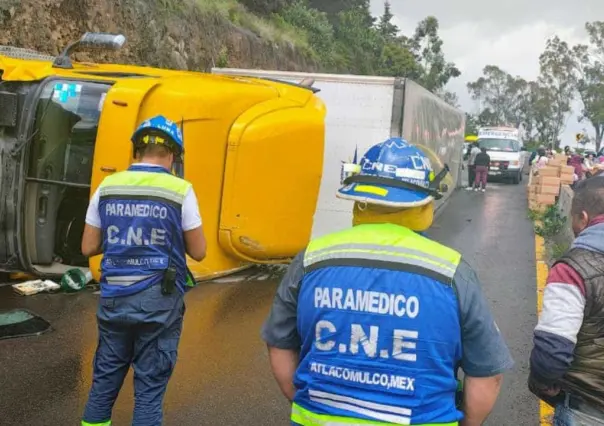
(439, 177)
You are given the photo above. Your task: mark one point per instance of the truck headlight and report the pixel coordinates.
(514, 163)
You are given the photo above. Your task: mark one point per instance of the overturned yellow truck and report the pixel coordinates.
(253, 151)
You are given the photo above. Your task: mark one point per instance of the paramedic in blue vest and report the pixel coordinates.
(370, 324)
(143, 220)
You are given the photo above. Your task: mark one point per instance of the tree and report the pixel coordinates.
(386, 28)
(510, 100)
(487, 118)
(449, 97)
(505, 97)
(426, 44)
(264, 7)
(590, 79)
(558, 74)
(334, 7)
(358, 43)
(397, 61)
(591, 91)
(544, 118)
(472, 124)
(318, 30)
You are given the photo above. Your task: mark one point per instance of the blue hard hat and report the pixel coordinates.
(159, 126)
(393, 173)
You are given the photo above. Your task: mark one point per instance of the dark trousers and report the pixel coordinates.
(481, 176)
(142, 330)
(471, 174)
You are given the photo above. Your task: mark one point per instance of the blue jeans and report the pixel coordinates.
(142, 330)
(566, 416)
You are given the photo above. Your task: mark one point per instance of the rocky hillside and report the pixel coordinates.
(179, 34)
(336, 36)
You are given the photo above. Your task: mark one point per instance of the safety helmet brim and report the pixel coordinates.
(384, 195)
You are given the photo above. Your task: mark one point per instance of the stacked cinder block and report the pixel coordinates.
(545, 187)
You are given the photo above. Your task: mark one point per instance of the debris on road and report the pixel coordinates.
(30, 288)
(75, 280)
(21, 323)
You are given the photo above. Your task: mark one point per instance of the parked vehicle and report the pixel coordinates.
(506, 149)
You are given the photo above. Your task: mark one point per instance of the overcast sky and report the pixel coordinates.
(510, 34)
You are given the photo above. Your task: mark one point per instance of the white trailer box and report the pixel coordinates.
(363, 111)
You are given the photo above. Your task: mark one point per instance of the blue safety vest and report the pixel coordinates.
(141, 221)
(380, 327)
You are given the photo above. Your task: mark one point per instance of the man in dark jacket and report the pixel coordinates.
(567, 360)
(481, 165)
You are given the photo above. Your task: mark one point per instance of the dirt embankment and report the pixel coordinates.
(161, 33)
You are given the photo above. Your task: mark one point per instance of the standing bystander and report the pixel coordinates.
(474, 151)
(481, 162)
(567, 359)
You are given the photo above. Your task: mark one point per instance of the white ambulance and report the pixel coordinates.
(506, 148)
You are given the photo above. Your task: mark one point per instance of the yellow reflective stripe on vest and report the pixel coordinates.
(145, 184)
(107, 423)
(306, 417)
(386, 243)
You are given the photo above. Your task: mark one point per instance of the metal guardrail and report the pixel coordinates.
(21, 53)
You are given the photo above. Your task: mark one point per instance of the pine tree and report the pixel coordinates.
(385, 27)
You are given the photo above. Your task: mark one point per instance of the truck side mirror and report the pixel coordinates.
(102, 41)
(89, 41)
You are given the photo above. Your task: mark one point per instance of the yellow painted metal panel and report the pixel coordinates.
(240, 136)
(272, 178)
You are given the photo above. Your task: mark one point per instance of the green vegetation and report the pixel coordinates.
(268, 27)
(549, 223)
(544, 105)
(343, 37)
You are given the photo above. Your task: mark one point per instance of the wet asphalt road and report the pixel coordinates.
(222, 377)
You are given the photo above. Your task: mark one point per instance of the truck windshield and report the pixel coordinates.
(507, 145)
(67, 120)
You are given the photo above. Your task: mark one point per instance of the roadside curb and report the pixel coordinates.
(546, 412)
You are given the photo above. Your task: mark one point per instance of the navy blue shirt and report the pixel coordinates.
(485, 353)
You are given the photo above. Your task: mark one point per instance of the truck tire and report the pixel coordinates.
(516, 179)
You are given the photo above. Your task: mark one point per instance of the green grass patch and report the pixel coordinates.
(273, 29)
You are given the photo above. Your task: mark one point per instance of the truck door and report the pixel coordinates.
(58, 170)
(272, 176)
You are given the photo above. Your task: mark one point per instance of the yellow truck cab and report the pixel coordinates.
(253, 152)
